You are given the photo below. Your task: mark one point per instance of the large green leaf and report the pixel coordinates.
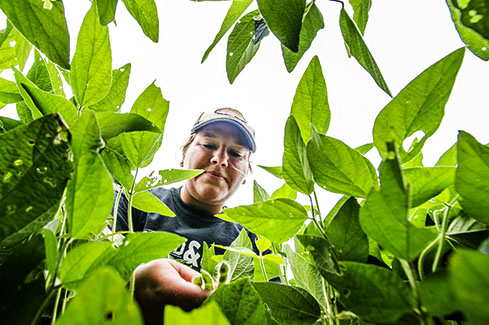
(240, 265)
(357, 47)
(7, 124)
(140, 247)
(48, 103)
(118, 166)
(240, 302)
(45, 29)
(241, 48)
(30, 109)
(374, 293)
(145, 13)
(310, 103)
(140, 147)
(112, 124)
(307, 276)
(469, 279)
(346, 235)
(296, 170)
(103, 298)
(288, 304)
(436, 293)
(472, 177)
(323, 254)
(117, 93)
(9, 92)
(21, 296)
(259, 193)
(312, 23)
(384, 215)
(89, 195)
(339, 168)
(39, 74)
(360, 15)
(284, 19)
(90, 75)
(165, 177)
(34, 169)
(82, 261)
(427, 182)
(209, 314)
(145, 201)
(235, 11)
(419, 106)
(106, 10)
(277, 220)
(471, 19)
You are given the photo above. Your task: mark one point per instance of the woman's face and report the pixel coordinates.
(220, 149)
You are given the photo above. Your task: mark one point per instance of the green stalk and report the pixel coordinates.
(262, 266)
(443, 233)
(412, 282)
(56, 303)
(41, 308)
(131, 228)
(317, 204)
(318, 225)
(425, 251)
(65, 302)
(116, 209)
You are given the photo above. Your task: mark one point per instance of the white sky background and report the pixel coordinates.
(404, 36)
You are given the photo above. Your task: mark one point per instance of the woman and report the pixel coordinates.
(220, 143)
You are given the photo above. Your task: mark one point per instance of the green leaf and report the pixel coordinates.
(112, 124)
(25, 114)
(427, 182)
(275, 171)
(34, 169)
(346, 235)
(208, 263)
(240, 265)
(235, 11)
(118, 166)
(21, 295)
(384, 215)
(307, 276)
(9, 92)
(241, 48)
(82, 261)
(419, 106)
(165, 177)
(284, 192)
(117, 93)
(140, 147)
(437, 295)
(208, 314)
(22, 49)
(357, 47)
(339, 168)
(39, 74)
(89, 194)
(311, 24)
(145, 13)
(322, 253)
(471, 21)
(310, 105)
(259, 193)
(278, 220)
(468, 278)
(449, 158)
(360, 15)
(140, 247)
(106, 10)
(296, 170)
(106, 298)
(284, 19)
(51, 250)
(48, 103)
(288, 304)
(472, 177)
(90, 75)
(31, 111)
(146, 201)
(374, 293)
(240, 302)
(364, 149)
(7, 124)
(45, 29)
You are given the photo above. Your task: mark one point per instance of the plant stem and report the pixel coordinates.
(116, 212)
(129, 208)
(56, 303)
(65, 301)
(41, 308)
(317, 205)
(262, 266)
(443, 233)
(329, 310)
(412, 282)
(318, 225)
(425, 251)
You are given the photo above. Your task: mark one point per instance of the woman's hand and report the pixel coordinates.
(166, 282)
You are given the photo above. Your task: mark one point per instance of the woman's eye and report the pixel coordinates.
(235, 154)
(209, 146)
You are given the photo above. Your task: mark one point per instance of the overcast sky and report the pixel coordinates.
(404, 36)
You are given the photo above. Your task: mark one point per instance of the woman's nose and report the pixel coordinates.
(220, 157)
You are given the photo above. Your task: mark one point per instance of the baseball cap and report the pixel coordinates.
(229, 115)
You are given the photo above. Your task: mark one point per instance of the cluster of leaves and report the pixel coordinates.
(406, 243)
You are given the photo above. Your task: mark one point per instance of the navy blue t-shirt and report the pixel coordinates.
(196, 225)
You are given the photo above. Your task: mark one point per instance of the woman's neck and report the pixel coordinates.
(188, 199)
